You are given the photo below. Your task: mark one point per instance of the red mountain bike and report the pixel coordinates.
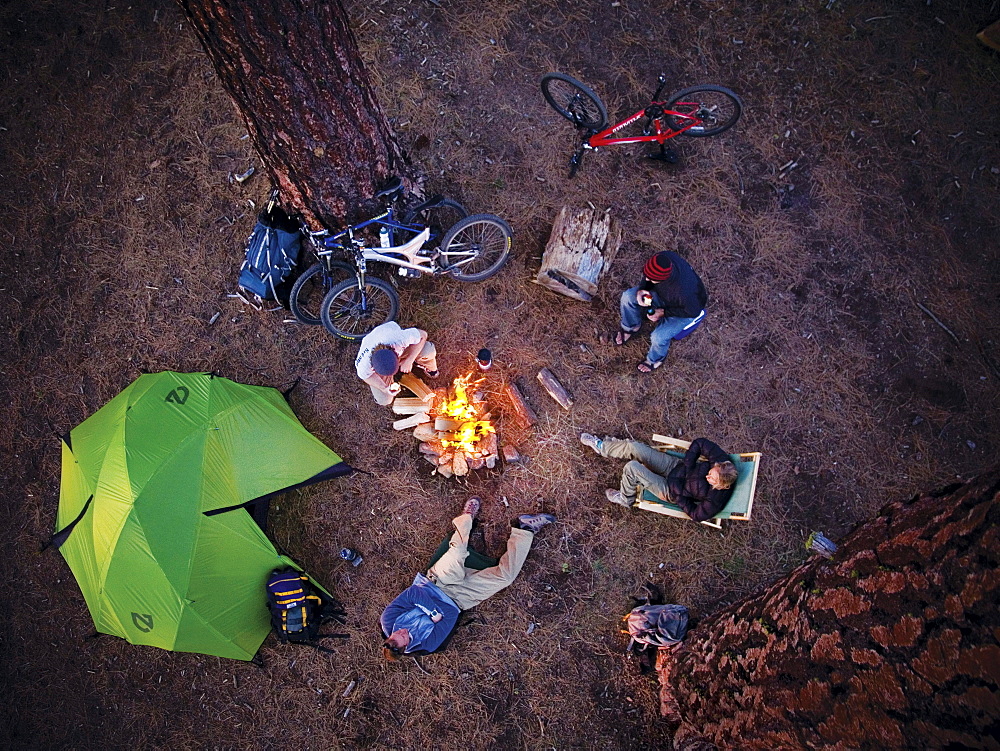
(698, 111)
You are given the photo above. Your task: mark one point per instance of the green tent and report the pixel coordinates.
(163, 499)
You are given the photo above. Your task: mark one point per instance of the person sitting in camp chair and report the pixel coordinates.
(389, 349)
(700, 488)
(420, 619)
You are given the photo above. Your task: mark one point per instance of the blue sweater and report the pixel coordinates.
(413, 609)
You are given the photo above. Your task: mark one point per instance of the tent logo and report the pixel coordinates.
(179, 395)
(143, 622)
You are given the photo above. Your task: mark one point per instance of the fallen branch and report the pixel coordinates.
(938, 322)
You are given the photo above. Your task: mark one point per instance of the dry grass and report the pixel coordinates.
(814, 352)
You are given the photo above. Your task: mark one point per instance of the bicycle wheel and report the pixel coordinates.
(350, 313)
(476, 247)
(309, 290)
(716, 107)
(438, 217)
(574, 101)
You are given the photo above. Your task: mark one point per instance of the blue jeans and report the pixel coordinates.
(666, 329)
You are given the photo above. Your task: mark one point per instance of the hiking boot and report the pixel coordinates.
(472, 506)
(430, 373)
(534, 522)
(615, 496)
(591, 440)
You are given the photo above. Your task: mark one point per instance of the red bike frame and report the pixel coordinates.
(664, 131)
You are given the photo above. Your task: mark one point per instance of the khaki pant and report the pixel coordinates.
(427, 359)
(466, 586)
(647, 469)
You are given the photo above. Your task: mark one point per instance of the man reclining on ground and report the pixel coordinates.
(422, 617)
(701, 489)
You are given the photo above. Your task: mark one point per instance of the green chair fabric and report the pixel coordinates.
(153, 517)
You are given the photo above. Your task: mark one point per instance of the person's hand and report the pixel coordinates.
(395, 388)
(405, 367)
(656, 315)
(644, 297)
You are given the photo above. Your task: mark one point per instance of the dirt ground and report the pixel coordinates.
(122, 236)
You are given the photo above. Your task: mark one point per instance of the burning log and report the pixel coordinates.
(445, 423)
(418, 387)
(411, 421)
(554, 388)
(459, 465)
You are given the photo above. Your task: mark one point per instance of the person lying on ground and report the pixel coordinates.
(387, 350)
(701, 488)
(422, 617)
(671, 295)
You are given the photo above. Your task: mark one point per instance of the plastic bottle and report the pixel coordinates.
(383, 237)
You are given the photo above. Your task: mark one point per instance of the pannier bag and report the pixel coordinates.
(272, 253)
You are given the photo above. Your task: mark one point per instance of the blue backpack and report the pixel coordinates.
(272, 253)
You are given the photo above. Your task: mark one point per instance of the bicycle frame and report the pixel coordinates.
(406, 256)
(664, 132)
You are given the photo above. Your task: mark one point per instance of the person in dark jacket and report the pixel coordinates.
(421, 618)
(700, 488)
(671, 295)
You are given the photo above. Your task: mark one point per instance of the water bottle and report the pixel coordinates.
(351, 556)
(383, 237)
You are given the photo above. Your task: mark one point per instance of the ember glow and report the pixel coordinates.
(475, 422)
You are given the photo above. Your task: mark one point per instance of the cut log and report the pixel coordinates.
(445, 423)
(432, 459)
(554, 388)
(476, 463)
(581, 246)
(491, 461)
(430, 448)
(418, 387)
(487, 445)
(409, 405)
(459, 465)
(523, 413)
(510, 454)
(444, 471)
(411, 422)
(425, 432)
(446, 457)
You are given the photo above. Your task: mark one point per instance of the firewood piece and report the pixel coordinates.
(410, 422)
(425, 432)
(487, 444)
(418, 387)
(432, 459)
(510, 454)
(444, 471)
(554, 388)
(445, 458)
(459, 465)
(491, 461)
(444, 423)
(580, 247)
(476, 463)
(430, 448)
(409, 405)
(525, 415)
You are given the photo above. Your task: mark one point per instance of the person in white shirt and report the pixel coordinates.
(389, 349)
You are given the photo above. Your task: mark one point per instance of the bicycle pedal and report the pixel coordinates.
(667, 155)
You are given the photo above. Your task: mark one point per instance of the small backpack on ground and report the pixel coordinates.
(272, 253)
(298, 609)
(657, 625)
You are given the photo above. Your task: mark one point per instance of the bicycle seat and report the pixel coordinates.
(392, 187)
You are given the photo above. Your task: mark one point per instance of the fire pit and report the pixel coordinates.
(455, 425)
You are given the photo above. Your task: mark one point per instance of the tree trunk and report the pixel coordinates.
(293, 69)
(890, 644)
(582, 244)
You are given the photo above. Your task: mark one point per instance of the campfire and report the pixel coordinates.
(454, 425)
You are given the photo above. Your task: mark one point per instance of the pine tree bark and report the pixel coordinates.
(293, 69)
(892, 644)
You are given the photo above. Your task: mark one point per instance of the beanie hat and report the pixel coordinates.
(385, 362)
(659, 267)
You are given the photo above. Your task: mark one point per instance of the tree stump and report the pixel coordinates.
(582, 244)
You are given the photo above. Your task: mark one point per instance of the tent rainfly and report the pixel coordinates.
(162, 506)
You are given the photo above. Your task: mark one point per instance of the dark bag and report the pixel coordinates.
(272, 253)
(298, 609)
(657, 625)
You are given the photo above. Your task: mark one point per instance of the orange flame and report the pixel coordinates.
(468, 413)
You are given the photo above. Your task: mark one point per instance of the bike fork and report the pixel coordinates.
(577, 158)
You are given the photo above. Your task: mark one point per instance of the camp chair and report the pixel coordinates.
(740, 504)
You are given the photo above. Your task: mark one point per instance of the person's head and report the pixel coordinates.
(722, 475)
(659, 267)
(395, 644)
(385, 362)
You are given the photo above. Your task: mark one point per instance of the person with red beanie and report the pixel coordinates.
(671, 295)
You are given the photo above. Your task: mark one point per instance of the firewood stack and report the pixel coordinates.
(453, 425)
